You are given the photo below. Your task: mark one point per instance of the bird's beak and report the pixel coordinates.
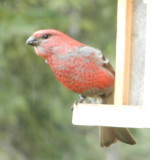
(32, 41)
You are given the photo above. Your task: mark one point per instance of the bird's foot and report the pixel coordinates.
(82, 99)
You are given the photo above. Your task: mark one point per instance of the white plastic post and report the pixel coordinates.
(146, 97)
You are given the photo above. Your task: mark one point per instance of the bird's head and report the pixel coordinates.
(49, 41)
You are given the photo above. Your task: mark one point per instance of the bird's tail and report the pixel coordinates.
(109, 135)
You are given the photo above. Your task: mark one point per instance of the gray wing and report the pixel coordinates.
(101, 59)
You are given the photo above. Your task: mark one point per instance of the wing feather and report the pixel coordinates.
(102, 61)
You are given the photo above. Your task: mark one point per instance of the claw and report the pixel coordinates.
(75, 104)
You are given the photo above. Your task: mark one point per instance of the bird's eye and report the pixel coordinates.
(45, 36)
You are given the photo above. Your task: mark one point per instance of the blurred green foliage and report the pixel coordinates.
(35, 110)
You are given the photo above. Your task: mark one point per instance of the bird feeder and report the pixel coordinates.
(131, 107)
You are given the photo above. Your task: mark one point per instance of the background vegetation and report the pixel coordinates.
(35, 114)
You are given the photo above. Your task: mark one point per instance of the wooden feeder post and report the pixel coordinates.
(132, 85)
(123, 51)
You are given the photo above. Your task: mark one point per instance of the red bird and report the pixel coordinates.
(82, 69)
